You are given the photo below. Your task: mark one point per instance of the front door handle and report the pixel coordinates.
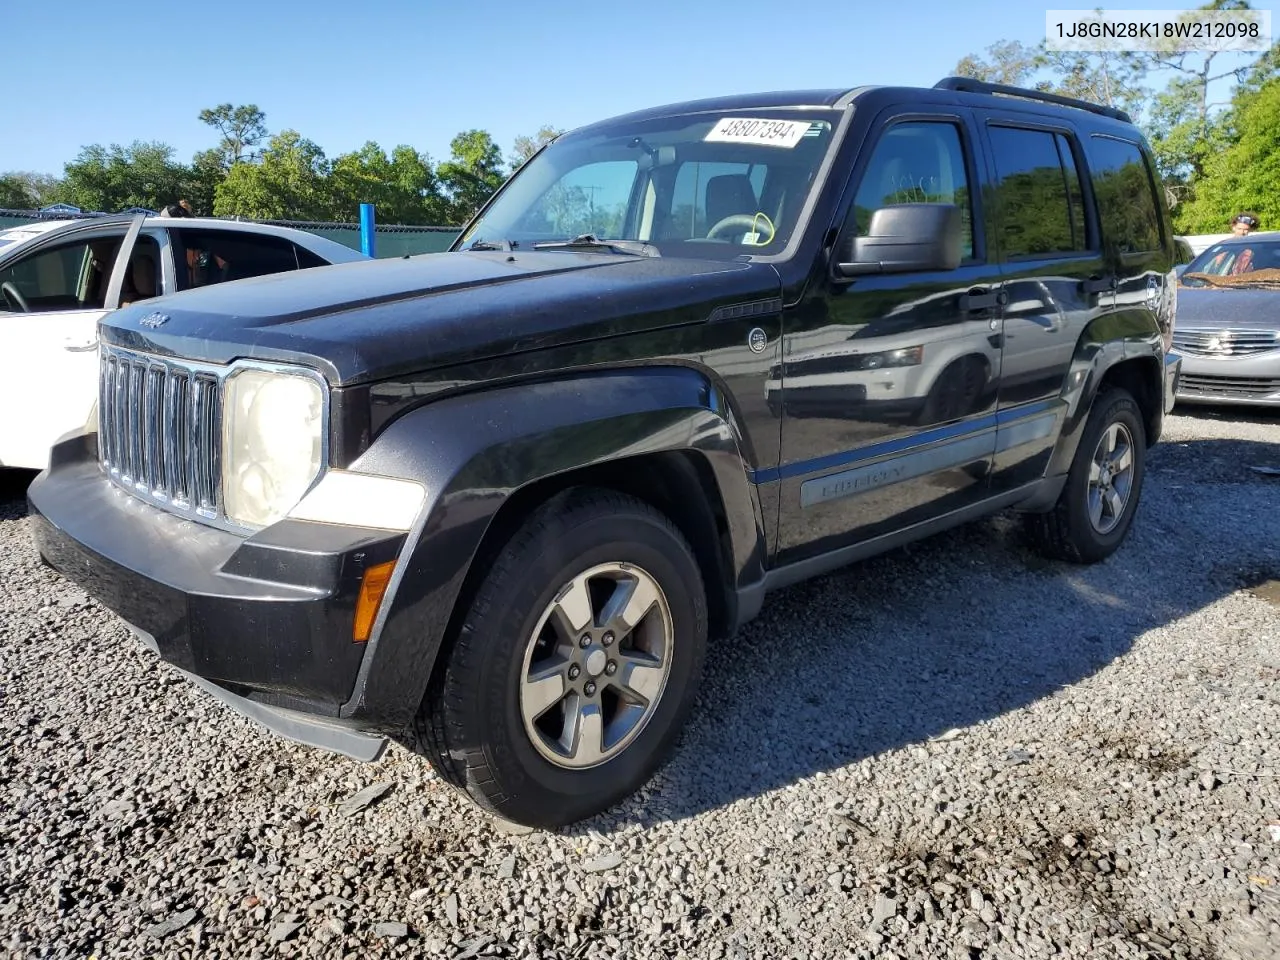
(1099, 284)
(979, 298)
(79, 346)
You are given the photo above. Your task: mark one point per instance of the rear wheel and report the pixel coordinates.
(1098, 503)
(575, 665)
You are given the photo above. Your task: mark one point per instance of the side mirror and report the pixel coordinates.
(905, 237)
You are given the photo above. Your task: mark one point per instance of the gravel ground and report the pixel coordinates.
(956, 751)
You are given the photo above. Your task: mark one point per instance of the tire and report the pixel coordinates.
(1069, 531)
(957, 392)
(472, 724)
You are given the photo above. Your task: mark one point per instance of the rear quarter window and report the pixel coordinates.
(1128, 206)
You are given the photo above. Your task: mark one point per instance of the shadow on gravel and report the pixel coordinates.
(957, 630)
(13, 492)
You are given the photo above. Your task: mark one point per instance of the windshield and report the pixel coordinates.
(704, 185)
(1235, 264)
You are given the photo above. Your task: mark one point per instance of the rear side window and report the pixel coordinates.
(204, 257)
(1040, 206)
(1127, 203)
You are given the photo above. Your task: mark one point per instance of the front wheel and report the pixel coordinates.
(1098, 502)
(575, 665)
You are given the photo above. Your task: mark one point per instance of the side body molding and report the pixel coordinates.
(473, 451)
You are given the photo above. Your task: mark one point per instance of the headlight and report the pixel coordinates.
(906, 357)
(272, 443)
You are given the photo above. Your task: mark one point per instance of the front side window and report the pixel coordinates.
(70, 276)
(705, 185)
(916, 162)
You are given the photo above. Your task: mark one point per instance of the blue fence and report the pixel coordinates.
(384, 240)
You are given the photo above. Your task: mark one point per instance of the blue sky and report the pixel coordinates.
(393, 71)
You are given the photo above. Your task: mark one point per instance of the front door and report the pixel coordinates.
(889, 382)
(51, 300)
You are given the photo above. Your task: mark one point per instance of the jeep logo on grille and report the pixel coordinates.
(154, 320)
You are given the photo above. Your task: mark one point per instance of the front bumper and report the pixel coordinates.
(1232, 380)
(262, 622)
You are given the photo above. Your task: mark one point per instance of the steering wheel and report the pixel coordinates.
(743, 222)
(14, 296)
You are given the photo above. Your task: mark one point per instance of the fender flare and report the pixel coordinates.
(474, 451)
(1107, 342)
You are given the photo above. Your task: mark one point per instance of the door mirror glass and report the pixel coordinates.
(905, 237)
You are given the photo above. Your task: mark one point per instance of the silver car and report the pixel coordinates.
(1228, 327)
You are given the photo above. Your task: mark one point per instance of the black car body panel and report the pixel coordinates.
(791, 415)
(536, 432)
(376, 320)
(268, 617)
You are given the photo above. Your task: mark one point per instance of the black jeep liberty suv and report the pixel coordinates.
(494, 503)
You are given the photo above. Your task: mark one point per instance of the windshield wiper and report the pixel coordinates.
(503, 245)
(589, 241)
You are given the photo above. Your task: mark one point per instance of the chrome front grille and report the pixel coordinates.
(159, 430)
(1244, 388)
(1225, 343)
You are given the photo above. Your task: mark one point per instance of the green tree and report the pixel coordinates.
(16, 193)
(288, 182)
(526, 146)
(1008, 61)
(243, 128)
(403, 187)
(207, 172)
(1110, 78)
(1180, 125)
(33, 189)
(1243, 175)
(112, 178)
(471, 175)
(1113, 79)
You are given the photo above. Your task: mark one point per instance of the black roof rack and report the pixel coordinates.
(969, 85)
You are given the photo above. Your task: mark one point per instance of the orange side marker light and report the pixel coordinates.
(373, 586)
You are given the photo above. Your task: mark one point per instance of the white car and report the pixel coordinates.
(59, 277)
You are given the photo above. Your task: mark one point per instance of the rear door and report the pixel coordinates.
(1054, 273)
(1134, 234)
(49, 338)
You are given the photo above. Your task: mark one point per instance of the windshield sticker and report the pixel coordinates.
(768, 133)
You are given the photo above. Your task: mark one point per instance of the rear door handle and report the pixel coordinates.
(1099, 284)
(79, 346)
(980, 299)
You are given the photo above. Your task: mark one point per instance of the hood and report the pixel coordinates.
(1225, 307)
(359, 322)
